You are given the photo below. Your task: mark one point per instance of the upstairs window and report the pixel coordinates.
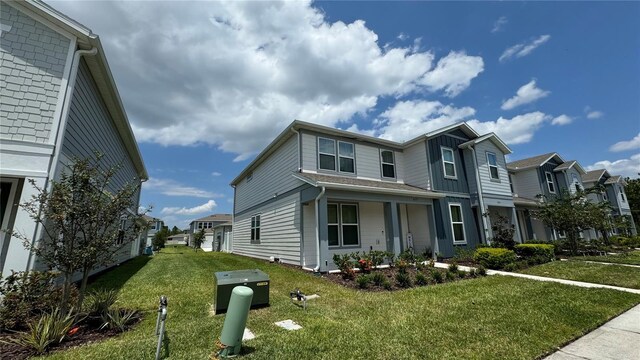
(388, 164)
(255, 229)
(327, 154)
(346, 153)
(457, 223)
(621, 193)
(550, 185)
(492, 161)
(448, 163)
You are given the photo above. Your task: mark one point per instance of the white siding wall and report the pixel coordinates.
(279, 231)
(371, 217)
(367, 162)
(416, 170)
(417, 223)
(273, 176)
(489, 186)
(309, 154)
(571, 182)
(309, 235)
(526, 183)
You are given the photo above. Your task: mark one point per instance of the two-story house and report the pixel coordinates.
(59, 101)
(613, 193)
(317, 191)
(208, 223)
(153, 226)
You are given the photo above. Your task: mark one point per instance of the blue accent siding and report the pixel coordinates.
(443, 225)
(459, 185)
(557, 178)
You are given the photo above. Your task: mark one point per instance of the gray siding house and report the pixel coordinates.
(316, 191)
(208, 223)
(59, 101)
(613, 193)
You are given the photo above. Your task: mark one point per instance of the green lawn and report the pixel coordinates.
(487, 318)
(616, 275)
(631, 258)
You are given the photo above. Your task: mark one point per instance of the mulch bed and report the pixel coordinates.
(85, 335)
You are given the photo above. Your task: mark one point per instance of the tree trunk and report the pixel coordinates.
(66, 293)
(83, 287)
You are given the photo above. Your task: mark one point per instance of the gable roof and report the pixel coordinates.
(532, 162)
(594, 175)
(568, 165)
(462, 126)
(214, 217)
(490, 136)
(615, 179)
(100, 71)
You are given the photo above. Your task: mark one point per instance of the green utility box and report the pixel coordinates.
(225, 281)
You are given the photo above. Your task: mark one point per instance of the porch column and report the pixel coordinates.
(323, 233)
(514, 221)
(395, 227)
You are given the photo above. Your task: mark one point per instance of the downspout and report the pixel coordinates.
(480, 198)
(64, 116)
(299, 152)
(317, 268)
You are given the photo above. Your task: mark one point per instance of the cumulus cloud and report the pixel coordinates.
(173, 188)
(626, 145)
(517, 130)
(626, 167)
(200, 209)
(523, 49)
(595, 114)
(234, 74)
(562, 120)
(454, 73)
(526, 94)
(499, 24)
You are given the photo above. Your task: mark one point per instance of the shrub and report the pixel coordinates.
(376, 257)
(391, 257)
(408, 256)
(98, 302)
(463, 255)
(344, 264)
(544, 252)
(48, 330)
(387, 285)
(363, 281)
(421, 279)
(437, 277)
(511, 267)
(482, 271)
(378, 279)
(403, 280)
(472, 272)
(453, 267)
(494, 258)
(402, 266)
(450, 276)
(462, 274)
(119, 319)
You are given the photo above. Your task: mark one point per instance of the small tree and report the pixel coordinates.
(175, 230)
(572, 214)
(85, 221)
(160, 238)
(503, 231)
(198, 239)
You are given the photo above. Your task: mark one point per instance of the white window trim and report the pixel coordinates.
(453, 233)
(334, 224)
(622, 197)
(252, 239)
(335, 154)
(357, 224)
(341, 244)
(444, 168)
(346, 157)
(382, 163)
(489, 166)
(550, 182)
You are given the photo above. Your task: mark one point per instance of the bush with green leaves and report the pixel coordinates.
(482, 271)
(437, 277)
(99, 301)
(453, 267)
(404, 280)
(378, 278)
(376, 257)
(421, 279)
(391, 257)
(472, 272)
(462, 274)
(49, 329)
(494, 258)
(511, 267)
(345, 265)
(363, 281)
(387, 285)
(463, 255)
(119, 319)
(540, 251)
(408, 256)
(402, 266)
(450, 276)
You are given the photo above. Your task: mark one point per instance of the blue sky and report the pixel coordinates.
(207, 85)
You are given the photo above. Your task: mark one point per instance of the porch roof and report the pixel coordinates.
(361, 185)
(525, 201)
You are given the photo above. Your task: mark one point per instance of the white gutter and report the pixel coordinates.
(315, 269)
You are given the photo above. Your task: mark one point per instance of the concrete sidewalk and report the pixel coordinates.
(619, 339)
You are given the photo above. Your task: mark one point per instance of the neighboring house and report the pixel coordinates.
(316, 191)
(613, 193)
(207, 223)
(59, 101)
(178, 239)
(218, 238)
(154, 225)
(540, 178)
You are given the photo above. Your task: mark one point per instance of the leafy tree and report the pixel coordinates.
(85, 222)
(632, 190)
(175, 230)
(572, 214)
(160, 238)
(503, 231)
(198, 239)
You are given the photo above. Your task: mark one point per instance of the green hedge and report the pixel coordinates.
(494, 258)
(543, 252)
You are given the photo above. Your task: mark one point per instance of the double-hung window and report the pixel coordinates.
(492, 161)
(341, 158)
(448, 162)
(457, 223)
(327, 154)
(346, 155)
(388, 164)
(550, 184)
(343, 227)
(255, 229)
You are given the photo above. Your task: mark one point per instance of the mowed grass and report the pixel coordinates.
(616, 275)
(631, 258)
(486, 318)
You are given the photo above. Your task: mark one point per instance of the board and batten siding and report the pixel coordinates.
(271, 178)
(491, 186)
(90, 128)
(526, 183)
(416, 169)
(558, 180)
(279, 231)
(445, 231)
(440, 182)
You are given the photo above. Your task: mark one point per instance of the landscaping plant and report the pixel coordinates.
(376, 257)
(378, 278)
(119, 319)
(421, 279)
(437, 277)
(403, 280)
(344, 264)
(503, 231)
(49, 329)
(363, 281)
(494, 258)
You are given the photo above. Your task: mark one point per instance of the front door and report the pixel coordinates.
(7, 196)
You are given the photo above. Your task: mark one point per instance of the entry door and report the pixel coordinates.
(7, 195)
(524, 233)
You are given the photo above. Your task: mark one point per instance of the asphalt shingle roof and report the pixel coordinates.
(343, 180)
(593, 175)
(529, 162)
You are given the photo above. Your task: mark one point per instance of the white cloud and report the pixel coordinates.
(499, 24)
(626, 145)
(454, 73)
(173, 188)
(523, 49)
(403, 36)
(520, 129)
(204, 208)
(595, 114)
(626, 167)
(407, 119)
(215, 173)
(562, 120)
(234, 74)
(526, 94)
